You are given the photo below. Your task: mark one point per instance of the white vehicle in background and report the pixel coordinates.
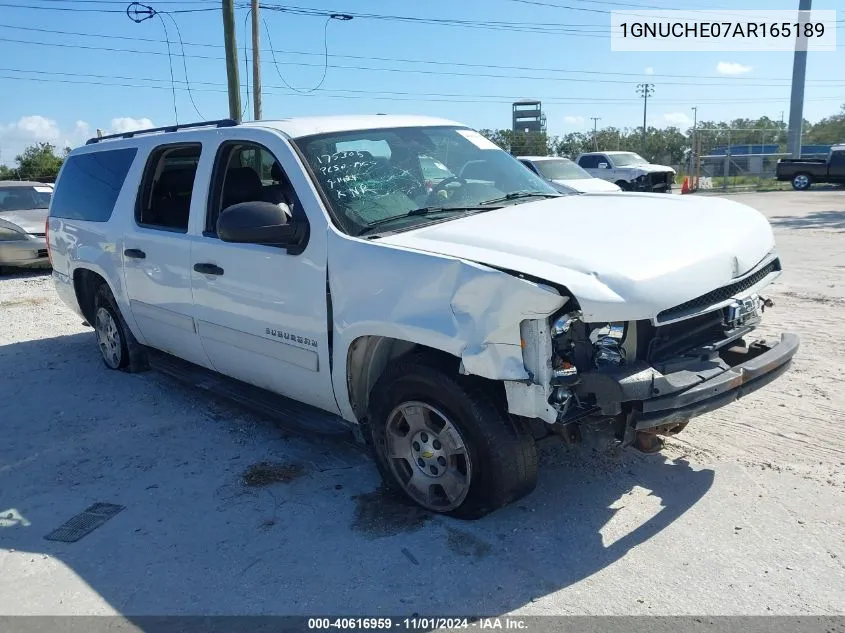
(630, 171)
(316, 264)
(562, 171)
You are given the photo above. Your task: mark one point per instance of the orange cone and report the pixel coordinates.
(685, 186)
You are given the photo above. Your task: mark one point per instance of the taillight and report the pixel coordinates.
(47, 238)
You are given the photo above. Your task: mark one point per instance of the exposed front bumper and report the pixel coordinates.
(730, 385)
(24, 253)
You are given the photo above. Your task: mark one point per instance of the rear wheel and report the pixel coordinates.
(801, 182)
(442, 440)
(118, 346)
(111, 338)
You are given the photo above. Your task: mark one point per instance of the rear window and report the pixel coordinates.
(20, 198)
(90, 183)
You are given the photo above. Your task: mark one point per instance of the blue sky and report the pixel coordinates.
(42, 99)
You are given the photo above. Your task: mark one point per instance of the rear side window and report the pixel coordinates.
(164, 200)
(90, 183)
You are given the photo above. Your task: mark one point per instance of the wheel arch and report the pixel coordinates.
(368, 356)
(85, 284)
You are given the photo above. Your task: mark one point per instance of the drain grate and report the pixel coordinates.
(84, 523)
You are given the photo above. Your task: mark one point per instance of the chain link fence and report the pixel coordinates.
(741, 158)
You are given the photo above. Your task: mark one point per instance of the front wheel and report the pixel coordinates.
(623, 185)
(442, 440)
(801, 182)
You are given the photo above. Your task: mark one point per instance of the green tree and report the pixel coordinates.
(40, 162)
(829, 130)
(522, 143)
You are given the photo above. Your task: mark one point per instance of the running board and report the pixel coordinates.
(293, 416)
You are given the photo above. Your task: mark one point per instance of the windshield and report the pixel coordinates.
(627, 158)
(560, 169)
(371, 176)
(19, 198)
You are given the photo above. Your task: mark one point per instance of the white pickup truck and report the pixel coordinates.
(447, 322)
(629, 171)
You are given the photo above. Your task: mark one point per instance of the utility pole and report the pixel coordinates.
(799, 71)
(231, 59)
(694, 124)
(646, 91)
(256, 61)
(595, 119)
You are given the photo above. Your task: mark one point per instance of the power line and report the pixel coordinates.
(396, 70)
(365, 94)
(727, 80)
(92, 10)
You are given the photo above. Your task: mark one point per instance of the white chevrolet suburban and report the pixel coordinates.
(447, 324)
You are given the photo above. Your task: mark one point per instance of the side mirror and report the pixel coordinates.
(603, 165)
(259, 223)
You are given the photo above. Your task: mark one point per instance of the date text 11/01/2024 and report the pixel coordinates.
(417, 623)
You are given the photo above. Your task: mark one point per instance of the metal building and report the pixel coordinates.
(528, 117)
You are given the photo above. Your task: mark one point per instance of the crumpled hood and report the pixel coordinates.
(650, 168)
(30, 220)
(624, 256)
(589, 185)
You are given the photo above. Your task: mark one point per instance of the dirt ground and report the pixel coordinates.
(743, 513)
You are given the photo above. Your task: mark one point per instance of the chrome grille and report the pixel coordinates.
(720, 294)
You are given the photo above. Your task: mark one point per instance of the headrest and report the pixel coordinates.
(176, 180)
(242, 184)
(476, 170)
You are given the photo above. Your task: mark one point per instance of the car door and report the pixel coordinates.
(590, 163)
(261, 310)
(836, 168)
(157, 252)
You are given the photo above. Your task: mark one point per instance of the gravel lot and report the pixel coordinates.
(743, 513)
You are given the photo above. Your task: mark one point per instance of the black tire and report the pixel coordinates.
(624, 186)
(802, 181)
(130, 355)
(501, 451)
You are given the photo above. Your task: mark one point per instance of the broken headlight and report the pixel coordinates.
(607, 344)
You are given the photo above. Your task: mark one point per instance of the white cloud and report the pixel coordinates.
(677, 118)
(733, 68)
(649, 70)
(573, 120)
(128, 124)
(35, 128)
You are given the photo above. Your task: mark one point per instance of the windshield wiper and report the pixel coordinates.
(421, 211)
(516, 195)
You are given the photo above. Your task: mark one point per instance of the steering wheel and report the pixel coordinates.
(441, 186)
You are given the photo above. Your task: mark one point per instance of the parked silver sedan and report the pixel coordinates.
(23, 214)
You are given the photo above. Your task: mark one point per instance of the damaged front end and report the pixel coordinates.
(635, 380)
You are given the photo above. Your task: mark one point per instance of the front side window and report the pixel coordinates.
(165, 196)
(626, 159)
(560, 169)
(248, 172)
(89, 184)
(591, 161)
(399, 178)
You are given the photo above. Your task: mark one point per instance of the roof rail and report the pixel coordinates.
(167, 128)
